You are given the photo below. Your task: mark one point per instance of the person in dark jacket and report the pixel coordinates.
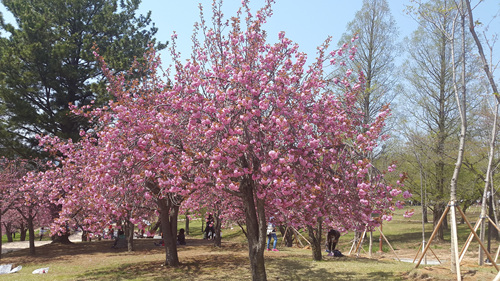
(332, 239)
(181, 237)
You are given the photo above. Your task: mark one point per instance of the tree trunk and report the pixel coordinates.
(445, 224)
(217, 229)
(85, 236)
(8, 231)
(424, 214)
(9, 236)
(464, 210)
(461, 103)
(153, 229)
(129, 234)
(186, 228)
(494, 231)
(493, 85)
(22, 233)
(437, 213)
(31, 230)
(56, 238)
(490, 226)
(288, 236)
(0, 235)
(315, 236)
(62, 239)
(256, 229)
(168, 217)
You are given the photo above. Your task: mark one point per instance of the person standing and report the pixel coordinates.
(209, 229)
(111, 232)
(271, 233)
(42, 232)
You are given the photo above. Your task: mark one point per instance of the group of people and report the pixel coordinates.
(332, 239)
(110, 233)
(181, 238)
(209, 232)
(120, 241)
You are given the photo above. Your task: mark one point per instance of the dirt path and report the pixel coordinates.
(19, 245)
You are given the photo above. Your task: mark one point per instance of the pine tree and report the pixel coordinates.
(46, 63)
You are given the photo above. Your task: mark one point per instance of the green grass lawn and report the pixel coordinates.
(46, 237)
(17, 238)
(201, 261)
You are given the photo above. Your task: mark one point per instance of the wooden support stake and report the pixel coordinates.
(353, 244)
(435, 255)
(301, 236)
(433, 235)
(478, 239)
(297, 240)
(497, 278)
(364, 251)
(493, 223)
(385, 238)
(359, 244)
(418, 252)
(284, 235)
(469, 239)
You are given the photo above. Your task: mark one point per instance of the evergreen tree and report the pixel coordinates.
(46, 63)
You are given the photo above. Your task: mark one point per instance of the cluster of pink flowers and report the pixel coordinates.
(243, 123)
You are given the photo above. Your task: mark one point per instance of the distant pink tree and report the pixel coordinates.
(225, 209)
(34, 205)
(10, 181)
(14, 198)
(11, 220)
(138, 154)
(91, 194)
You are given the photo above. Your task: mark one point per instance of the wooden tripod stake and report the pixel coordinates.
(360, 242)
(420, 248)
(471, 235)
(297, 240)
(472, 231)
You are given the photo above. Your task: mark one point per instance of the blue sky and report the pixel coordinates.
(306, 22)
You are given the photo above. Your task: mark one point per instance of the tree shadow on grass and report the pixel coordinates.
(203, 267)
(64, 252)
(383, 275)
(298, 270)
(327, 269)
(231, 235)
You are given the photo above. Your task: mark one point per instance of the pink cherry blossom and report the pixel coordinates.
(215, 132)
